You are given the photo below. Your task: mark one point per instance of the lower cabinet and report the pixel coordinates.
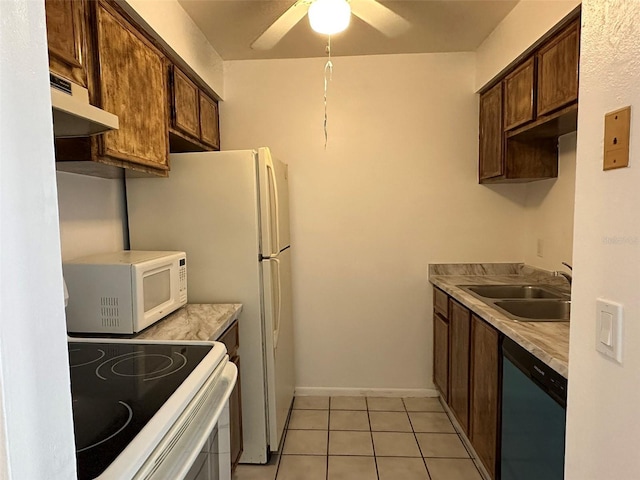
(441, 355)
(231, 340)
(235, 418)
(459, 335)
(473, 368)
(441, 342)
(485, 392)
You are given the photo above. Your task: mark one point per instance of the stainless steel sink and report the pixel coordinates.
(513, 291)
(537, 310)
(525, 303)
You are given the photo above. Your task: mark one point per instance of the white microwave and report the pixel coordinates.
(124, 292)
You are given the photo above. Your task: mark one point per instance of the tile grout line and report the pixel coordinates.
(373, 445)
(371, 432)
(413, 430)
(459, 432)
(326, 476)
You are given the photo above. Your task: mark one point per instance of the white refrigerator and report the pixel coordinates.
(229, 211)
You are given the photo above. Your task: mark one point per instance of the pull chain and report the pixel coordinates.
(328, 71)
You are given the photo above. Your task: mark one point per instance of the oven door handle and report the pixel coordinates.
(178, 450)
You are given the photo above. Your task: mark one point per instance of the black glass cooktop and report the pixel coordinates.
(116, 390)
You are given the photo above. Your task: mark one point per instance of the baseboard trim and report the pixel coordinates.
(365, 392)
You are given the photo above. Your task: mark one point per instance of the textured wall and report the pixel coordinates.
(603, 428)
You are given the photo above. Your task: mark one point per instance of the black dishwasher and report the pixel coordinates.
(534, 399)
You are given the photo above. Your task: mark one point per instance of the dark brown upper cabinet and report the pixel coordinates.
(558, 70)
(491, 133)
(99, 46)
(128, 80)
(209, 121)
(194, 115)
(67, 39)
(518, 95)
(185, 111)
(132, 86)
(538, 103)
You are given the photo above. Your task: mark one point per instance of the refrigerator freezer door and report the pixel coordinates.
(279, 340)
(274, 203)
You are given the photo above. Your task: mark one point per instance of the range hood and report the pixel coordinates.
(73, 116)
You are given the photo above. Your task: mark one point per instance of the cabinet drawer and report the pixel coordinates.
(231, 339)
(441, 302)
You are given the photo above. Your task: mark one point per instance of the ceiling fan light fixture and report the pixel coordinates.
(329, 16)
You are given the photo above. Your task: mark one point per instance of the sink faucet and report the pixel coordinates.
(565, 274)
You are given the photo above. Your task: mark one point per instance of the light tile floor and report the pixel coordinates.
(358, 438)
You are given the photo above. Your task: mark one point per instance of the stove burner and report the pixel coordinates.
(98, 420)
(117, 388)
(150, 366)
(79, 357)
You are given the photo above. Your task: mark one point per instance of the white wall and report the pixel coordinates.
(395, 190)
(92, 215)
(175, 29)
(603, 427)
(522, 27)
(35, 408)
(549, 212)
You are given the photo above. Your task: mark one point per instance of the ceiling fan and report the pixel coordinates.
(332, 16)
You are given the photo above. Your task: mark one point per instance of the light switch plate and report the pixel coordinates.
(617, 129)
(609, 328)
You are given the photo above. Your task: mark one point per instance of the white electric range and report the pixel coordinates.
(151, 410)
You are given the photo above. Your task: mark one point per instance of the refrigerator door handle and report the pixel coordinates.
(276, 319)
(276, 207)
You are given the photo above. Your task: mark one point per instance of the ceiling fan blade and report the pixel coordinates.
(278, 29)
(380, 17)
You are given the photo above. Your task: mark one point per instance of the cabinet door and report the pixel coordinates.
(491, 133)
(235, 419)
(485, 368)
(558, 70)
(132, 83)
(66, 37)
(441, 355)
(518, 96)
(460, 332)
(185, 104)
(209, 122)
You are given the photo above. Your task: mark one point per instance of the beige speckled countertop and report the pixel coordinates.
(197, 321)
(548, 341)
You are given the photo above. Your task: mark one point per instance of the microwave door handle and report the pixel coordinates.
(276, 210)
